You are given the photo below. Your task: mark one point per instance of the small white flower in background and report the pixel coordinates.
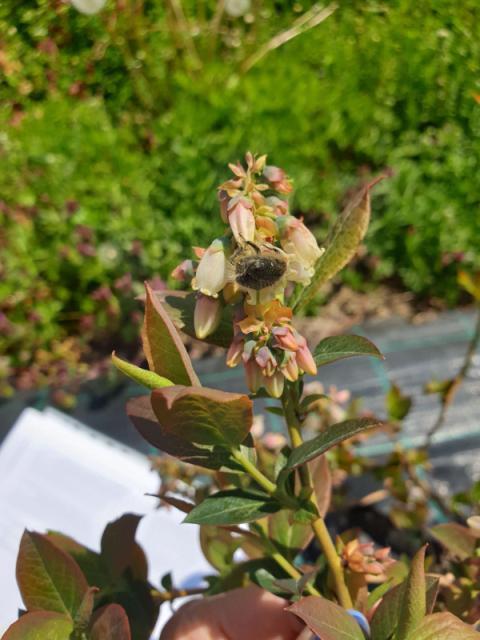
(237, 8)
(88, 7)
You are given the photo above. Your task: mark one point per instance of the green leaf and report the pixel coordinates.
(290, 536)
(180, 306)
(443, 626)
(141, 414)
(326, 440)
(40, 625)
(413, 607)
(326, 619)
(322, 483)
(165, 352)
(458, 540)
(147, 378)
(386, 617)
(218, 546)
(398, 405)
(48, 578)
(118, 544)
(339, 347)
(85, 610)
(342, 243)
(110, 623)
(233, 506)
(203, 416)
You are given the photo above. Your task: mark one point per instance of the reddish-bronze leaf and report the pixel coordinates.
(443, 626)
(40, 625)
(110, 623)
(48, 578)
(322, 483)
(141, 414)
(203, 416)
(118, 543)
(164, 350)
(327, 619)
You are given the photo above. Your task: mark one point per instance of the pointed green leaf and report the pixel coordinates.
(458, 540)
(339, 347)
(147, 378)
(326, 619)
(413, 607)
(40, 625)
(342, 243)
(218, 546)
(398, 404)
(140, 412)
(48, 578)
(289, 536)
(387, 615)
(110, 623)
(203, 416)
(443, 626)
(165, 352)
(232, 507)
(326, 440)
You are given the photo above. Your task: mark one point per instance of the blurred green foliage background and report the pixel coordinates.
(116, 128)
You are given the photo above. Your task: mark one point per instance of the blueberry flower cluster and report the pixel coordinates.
(264, 252)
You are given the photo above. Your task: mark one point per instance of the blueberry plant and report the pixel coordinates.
(265, 494)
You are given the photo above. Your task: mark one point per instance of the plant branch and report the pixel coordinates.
(173, 594)
(318, 525)
(254, 473)
(449, 395)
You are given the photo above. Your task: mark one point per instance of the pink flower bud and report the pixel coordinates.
(184, 271)
(285, 338)
(241, 219)
(290, 369)
(274, 384)
(212, 270)
(305, 360)
(296, 239)
(207, 316)
(279, 206)
(235, 351)
(253, 375)
(266, 361)
(278, 179)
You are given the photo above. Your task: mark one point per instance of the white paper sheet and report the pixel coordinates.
(57, 474)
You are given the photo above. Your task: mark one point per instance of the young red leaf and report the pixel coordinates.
(322, 483)
(413, 607)
(40, 625)
(140, 412)
(327, 619)
(458, 540)
(118, 543)
(110, 623)
(203, 416)
(165, 352)
(443, 626)
(48, 578)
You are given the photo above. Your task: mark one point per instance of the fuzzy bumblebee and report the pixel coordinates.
(258, 267)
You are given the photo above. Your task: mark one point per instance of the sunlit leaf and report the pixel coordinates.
(443, 626)
(459, 540)
(327, 619)
(165, 352)
(203, 416)
(327, 439)
(413, 607)
(398, 405)
(48, 578)
(40, 625)
(339, 347)
(232, 507)
(147, 378)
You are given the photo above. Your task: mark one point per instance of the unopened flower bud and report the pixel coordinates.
(290, 369)
(212, 270)
(241, 219)
(296, 239)
(305, 360)
(278, 179)
(285, 338)
(274, 384)
(266, 361)
(184, 271)
(207, 316)
(253, 376)
(235, 351)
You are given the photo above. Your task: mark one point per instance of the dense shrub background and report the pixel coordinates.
(116, 128)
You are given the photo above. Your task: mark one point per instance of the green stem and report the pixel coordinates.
(318, 526)
(253, 472)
